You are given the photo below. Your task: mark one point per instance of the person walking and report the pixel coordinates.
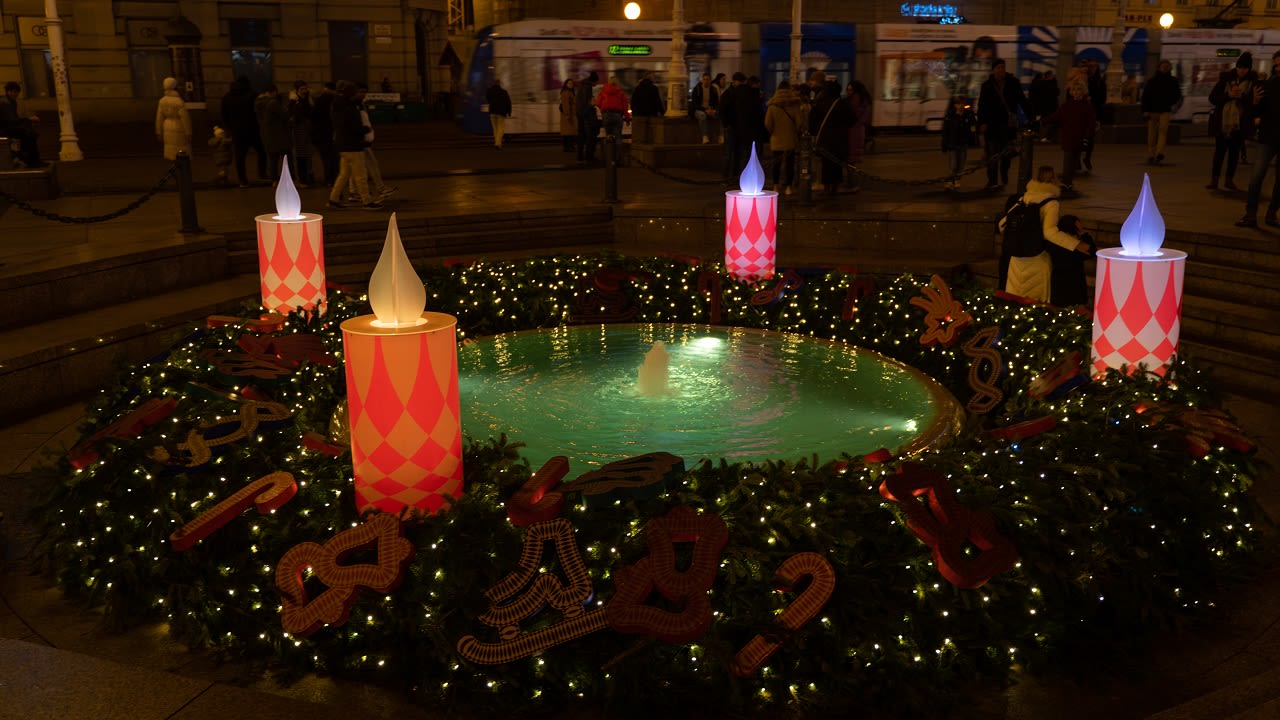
(829, 123)
(1031, 277)
(728, 114)
(499, 110)
(1077, 123)
(588, 125)
(273, 121)
(784, 117)
(1232, 100)
(959, 133)
(241, 120)
(858, 98)
(348, 138)
(568, 116)
(300, 111)
(378, 188)
(646, 101)
(1044, 100)
(173, 124)
(1096, 83)
(1162, 94)
(1266, 118)
(998, 104)
(614, 110)
(322, 131)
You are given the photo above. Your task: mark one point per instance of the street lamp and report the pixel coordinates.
(631, 11)
(1166, 21)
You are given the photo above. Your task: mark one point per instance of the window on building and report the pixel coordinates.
(251, 51)
(349, 51)
(37, 73)
(1271, 4)
(149, 61)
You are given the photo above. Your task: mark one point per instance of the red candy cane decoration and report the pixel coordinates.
(822, 583)
(536, 501)
(267, 493)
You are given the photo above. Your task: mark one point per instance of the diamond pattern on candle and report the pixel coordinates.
(750, 235)
(291, 261)
(1137, 313)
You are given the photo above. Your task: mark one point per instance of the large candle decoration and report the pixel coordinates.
(402, 392)
(750, 220)
(291, 253)
(1137, 312)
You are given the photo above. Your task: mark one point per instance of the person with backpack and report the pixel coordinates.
(784, 118)
(1029, 223)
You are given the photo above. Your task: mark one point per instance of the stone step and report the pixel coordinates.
(361, 244)
(118, 277)
(1251, 698)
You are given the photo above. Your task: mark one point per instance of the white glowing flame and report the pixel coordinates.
(751, 182)
(1143, 231)
(395, 290)
(288, 204)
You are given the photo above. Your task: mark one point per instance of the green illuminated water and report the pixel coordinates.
(744, 395)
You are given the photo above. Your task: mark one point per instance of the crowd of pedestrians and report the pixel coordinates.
(294, 130)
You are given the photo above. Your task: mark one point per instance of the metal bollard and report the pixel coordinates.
(804, 163)
(1026, 159)
(186, 194)
(610, 168)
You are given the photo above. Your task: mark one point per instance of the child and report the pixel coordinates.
(1068, 286)
(221, 145)
(959, 132)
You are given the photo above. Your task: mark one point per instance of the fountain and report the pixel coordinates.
(702, 392)
(654, 372)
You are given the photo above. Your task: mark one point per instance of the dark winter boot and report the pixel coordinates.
(1271, 218)
(1250, 219)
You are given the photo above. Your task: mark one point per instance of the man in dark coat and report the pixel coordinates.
(499, 110)
(588, 123)
(15, 125)
(729, 123)
(1161, 95)
(1044, 99)
(322, 132)
(748, 108)
(241, 120)
(1266, 117)
(998, 104)
(646, 101)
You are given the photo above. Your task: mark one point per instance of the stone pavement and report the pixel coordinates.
(56, 663)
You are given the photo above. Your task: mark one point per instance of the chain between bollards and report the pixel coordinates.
(610, 168)
(186, 194)
(1026, 159)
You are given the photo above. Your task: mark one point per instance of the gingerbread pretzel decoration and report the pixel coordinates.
(303, 615)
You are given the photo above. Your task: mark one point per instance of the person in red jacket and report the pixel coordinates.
(1077, 122)
(614, 110)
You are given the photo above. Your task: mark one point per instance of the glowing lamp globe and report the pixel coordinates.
(291, 253)
(402, 393)
(631, 11)
(1137, 310)
(750, 225)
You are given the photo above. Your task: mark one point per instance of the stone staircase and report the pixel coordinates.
(1230, 307)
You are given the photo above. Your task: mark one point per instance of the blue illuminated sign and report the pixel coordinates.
(928, 10)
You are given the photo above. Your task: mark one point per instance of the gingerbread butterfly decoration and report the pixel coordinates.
(944, 316)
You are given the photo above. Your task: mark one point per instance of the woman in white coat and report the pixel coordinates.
(1029, 277)
(173, 125)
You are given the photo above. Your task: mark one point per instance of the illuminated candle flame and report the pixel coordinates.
(288, 204)
(395, 290)
(751, 182)
(1143, 231)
